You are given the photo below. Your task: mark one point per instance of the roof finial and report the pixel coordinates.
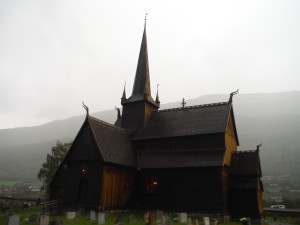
(183, 103)
(146, 14)
(86, 108)
(119, 113)
(258, 146)
(157, 98)
(232, 94)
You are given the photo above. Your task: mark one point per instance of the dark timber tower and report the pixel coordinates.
(138, 108)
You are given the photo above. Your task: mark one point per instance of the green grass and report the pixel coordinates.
(7, 183)
(83, 220)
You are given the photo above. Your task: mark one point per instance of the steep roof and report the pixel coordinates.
(245, 163)
(113, 142)
(181, 158)
(195, 120)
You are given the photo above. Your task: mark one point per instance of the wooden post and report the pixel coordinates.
(151, 220)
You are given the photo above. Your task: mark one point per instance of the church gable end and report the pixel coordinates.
(84, 146)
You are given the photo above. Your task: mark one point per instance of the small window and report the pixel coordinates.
(61, 191)
(84, 170)
(152, 185)
(126, 184)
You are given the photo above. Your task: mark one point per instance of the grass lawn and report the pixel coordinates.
(7, 183)
(83, 220)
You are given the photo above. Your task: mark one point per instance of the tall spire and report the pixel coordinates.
(141, 86)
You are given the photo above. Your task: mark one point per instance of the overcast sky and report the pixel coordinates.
(56, 53)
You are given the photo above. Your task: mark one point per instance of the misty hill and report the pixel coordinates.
(271, 118)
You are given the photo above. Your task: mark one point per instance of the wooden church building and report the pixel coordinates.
(178, 160)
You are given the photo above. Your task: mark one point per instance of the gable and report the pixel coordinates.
(245, 163)
(84, 146)
(204, 119)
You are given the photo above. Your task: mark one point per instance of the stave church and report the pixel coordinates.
(182, 159)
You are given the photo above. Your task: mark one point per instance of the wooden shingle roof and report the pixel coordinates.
(202, 119)
(113, 142)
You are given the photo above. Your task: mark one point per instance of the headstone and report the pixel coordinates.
(92, 215)
(101, 218)
(182, 217)
(163, 219)
(71, 215)
(14, 220)
(189, 221)
(78, 215)
(159, 215)
(196, 222)
(168, 220)
(33, 218)
(146, 217)
(206, 220)
(44, 220)
(131, 219)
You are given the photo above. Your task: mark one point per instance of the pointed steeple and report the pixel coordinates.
(138, 108)
(141, 87)
(123, 99)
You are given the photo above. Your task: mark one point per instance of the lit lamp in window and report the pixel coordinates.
(84, 170)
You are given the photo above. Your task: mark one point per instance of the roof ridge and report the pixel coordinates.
(109, 124)
(194, 106)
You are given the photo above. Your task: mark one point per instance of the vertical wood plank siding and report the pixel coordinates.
(230, 141)
(117, 188)
(191, 189)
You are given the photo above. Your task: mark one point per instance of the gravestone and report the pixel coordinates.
(101, 218)
(44, 220)
(189, 221)
(71, 215)
(131, 219)
(163, 218)
(33, 218)
(168, 220)
(159, 215)
(14, 220)
(78, 215)
(146, 217)
(206, 221)
(92, 215)
(196, 222)
(182, 217)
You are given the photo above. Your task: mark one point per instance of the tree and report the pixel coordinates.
(53, 160)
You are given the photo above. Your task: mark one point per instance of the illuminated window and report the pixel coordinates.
(84, 170)
(61, 191)
(126, 184)
(152, 185)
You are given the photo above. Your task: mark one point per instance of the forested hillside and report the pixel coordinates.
(269, 118)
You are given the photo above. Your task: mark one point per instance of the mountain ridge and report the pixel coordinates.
(270, 118)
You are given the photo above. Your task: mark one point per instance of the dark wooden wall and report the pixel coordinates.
(71, 182)
(245, 197)
(209, 141)
(136, 114)
(184, 189)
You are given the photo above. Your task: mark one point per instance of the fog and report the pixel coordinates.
(54, 54)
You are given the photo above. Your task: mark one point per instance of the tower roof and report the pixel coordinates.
(141, 87)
